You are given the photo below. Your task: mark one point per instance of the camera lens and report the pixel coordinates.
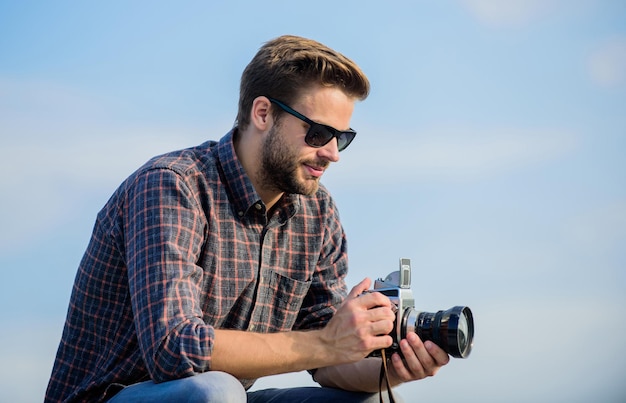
(452, 330)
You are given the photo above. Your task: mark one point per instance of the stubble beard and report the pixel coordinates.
(280, 166)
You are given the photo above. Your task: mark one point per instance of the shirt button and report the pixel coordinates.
(258, 206)
(240, 214)
(252, 327)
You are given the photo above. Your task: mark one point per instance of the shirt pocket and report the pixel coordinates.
(283, 300)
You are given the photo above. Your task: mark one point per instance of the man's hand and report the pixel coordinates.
(421, 360)
(361, 325)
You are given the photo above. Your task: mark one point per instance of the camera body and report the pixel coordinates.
(397, 287)
(452, 329)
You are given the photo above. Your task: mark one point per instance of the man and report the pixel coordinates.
(216, 265)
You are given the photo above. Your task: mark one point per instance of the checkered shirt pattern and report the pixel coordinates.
(185, 246)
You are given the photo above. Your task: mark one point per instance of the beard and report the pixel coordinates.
(280, 166)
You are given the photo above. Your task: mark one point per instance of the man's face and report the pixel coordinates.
(290, 165)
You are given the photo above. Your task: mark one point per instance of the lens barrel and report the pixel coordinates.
(452, 330)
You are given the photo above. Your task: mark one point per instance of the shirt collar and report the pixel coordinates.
(244, 196)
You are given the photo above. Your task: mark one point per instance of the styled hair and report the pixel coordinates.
(286, 65)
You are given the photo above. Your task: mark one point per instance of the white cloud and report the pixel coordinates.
(509, 13)
(607, 64)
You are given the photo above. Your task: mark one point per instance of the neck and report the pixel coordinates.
(248, 150)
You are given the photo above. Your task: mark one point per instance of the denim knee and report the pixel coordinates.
(215, 386)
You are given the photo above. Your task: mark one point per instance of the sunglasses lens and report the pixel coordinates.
(318, 136)
(344, 140)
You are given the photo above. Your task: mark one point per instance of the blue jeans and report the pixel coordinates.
(221, 387)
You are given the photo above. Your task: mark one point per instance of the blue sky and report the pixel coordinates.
(490, 152)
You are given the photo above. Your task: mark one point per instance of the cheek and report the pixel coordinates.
(289, 146)
(293, 132)
(277, 154)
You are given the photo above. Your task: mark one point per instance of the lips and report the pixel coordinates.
(314, 170)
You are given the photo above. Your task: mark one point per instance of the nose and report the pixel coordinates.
(330, 151)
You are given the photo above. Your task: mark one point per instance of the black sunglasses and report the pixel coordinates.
(319, 134)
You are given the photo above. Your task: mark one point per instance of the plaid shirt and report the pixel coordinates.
(184, 246)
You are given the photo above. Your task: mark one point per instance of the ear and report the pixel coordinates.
(260, 113)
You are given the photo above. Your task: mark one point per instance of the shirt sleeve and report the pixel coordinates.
(328, 287)
(164, 229)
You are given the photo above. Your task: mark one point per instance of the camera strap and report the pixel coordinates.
(384, 375)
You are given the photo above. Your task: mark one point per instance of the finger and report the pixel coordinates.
(379, 342)
(381, 313)
(401, 372)
(382, 326)
(440, 356)
(358, 289)
(372, 300)
(415, 345)
(410, 368)
(423, 361)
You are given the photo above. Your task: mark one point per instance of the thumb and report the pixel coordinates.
(358, 289)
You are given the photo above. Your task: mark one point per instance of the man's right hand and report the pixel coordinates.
(361, 325)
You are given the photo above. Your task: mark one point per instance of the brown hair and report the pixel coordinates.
(285, 65)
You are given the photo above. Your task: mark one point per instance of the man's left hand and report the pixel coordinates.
(421, 360)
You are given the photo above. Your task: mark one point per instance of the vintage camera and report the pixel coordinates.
(452, 330)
